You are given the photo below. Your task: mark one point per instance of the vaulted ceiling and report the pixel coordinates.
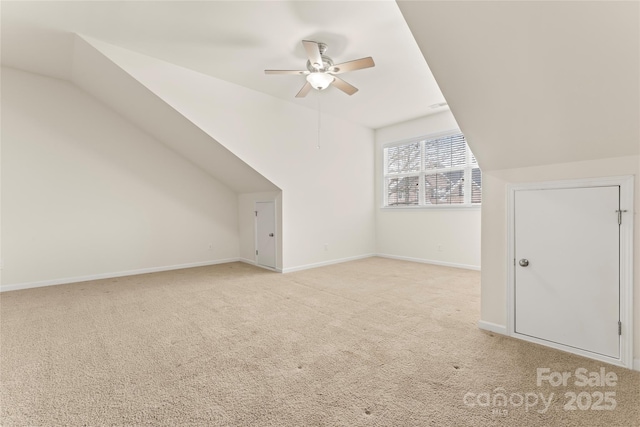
(236, 41)
(529, 82)
(536, 82)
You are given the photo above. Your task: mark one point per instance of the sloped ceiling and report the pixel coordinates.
(529, 82)
(536, 82)
(236, 41)
(99, 76)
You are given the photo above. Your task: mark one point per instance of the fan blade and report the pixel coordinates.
(357, 64)
(344, 86)
(305, 90)
(313, 53)
(285, 72)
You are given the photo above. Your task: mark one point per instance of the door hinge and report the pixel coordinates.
(620, 215)
(256, 213)
(256, 252)
(619, 328)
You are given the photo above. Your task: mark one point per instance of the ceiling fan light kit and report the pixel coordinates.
(320, 80)
(321, 70)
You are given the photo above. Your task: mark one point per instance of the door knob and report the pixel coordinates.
(270, 234)
(523, 262)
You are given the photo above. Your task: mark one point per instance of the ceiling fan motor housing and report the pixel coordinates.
(327, 63)
(321, 71)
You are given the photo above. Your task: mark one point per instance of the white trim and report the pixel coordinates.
(325, 263)
(492, 327)
(422, 173)
(626, 271)
(64, 281)
(573, 350)
(510, 256)
(474, 206)
(275, 232)
(428, 137)
(248, 261)
(430, 261)
(252, 262)
(626, 262)
(636, 364)
(77, 279)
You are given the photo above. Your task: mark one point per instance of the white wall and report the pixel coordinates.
(247, 224)
(86, 193)
(494, 227)
(98, 76)
(327, 192)
(448, 236)
(533, 84)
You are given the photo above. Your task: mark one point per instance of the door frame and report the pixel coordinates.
(255, 234)
(626, 262)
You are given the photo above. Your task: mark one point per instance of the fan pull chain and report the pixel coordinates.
(319, 120)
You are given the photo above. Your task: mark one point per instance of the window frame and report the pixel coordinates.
(422, 173)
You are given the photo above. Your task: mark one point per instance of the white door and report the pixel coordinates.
(266, 234)
(569, 293)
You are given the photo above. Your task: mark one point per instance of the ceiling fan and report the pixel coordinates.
(321, 71)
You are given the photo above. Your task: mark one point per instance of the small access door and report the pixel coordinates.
(266, 234)
(567, 267)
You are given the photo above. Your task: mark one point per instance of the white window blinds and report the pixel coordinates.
(432, 171)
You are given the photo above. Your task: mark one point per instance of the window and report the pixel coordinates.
(431, 171)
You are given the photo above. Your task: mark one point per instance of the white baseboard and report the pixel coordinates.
(325, 263)
(38, 284)
(502, 330)
(429, 261)
(255, 264)
(492, 327)
(28, 285)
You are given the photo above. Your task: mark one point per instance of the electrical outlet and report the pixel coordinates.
(210, 246)
(326, 247)
(439, 248)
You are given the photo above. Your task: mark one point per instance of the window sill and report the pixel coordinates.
(431, 207)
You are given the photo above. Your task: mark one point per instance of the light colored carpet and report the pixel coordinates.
(375, 342)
